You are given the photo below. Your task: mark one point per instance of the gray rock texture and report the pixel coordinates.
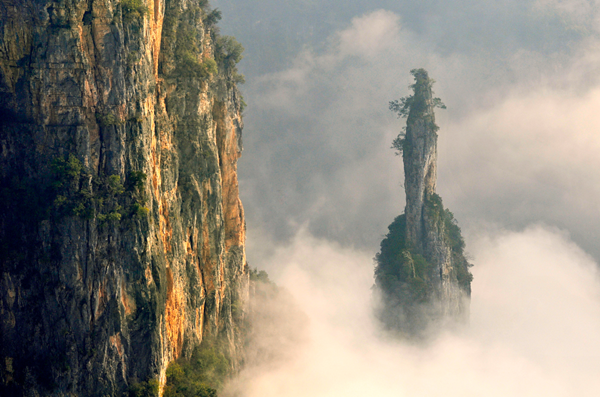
(121, 228)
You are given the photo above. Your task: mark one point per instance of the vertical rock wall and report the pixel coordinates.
(121, 229)
(420, 162)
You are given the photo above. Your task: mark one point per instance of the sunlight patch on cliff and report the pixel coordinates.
(535, 317)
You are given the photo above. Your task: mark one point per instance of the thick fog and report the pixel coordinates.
(518, 164)
(535, 321)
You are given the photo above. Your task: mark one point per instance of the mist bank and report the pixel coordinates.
(535, 318)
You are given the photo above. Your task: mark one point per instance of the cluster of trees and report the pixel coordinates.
(74, 191)
(402, 277)
(415, 106)
(191, 63)
(199, 376)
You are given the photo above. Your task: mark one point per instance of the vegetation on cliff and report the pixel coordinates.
(132, 10)
(271, 324)
(201, 375)
(183, 37)
(416, 106)
(405, 278)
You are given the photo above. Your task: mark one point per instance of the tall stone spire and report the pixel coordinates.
(422, 274)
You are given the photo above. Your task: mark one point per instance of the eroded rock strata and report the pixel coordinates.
(121, 228)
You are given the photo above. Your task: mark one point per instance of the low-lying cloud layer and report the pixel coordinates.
(535, 317)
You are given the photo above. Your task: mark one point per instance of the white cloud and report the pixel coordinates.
(370, 34)
(518, 144)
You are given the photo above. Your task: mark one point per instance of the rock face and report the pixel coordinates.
(121, 229)
(420, 162)
(421, 271)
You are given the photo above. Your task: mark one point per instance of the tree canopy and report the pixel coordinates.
(414, 106)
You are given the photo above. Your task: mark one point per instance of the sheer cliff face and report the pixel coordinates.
(121, 229)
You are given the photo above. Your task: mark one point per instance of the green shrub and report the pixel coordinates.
(138, 210)
(70, 193)
(60, 201)
(200, 376)
(419, 290)
(187, 55)
(136, 180)
(114, 216)
(444, 217)
(414, 107)
(212, 18)
(237, 309)
(80, 210)
(67, 197)
(212, 366)
(114, 184)
(133, 10)
(66, 170)
(259, 276)
(463, 275)
(145, 389)
(229, 51)
(209, 66)
(190, 66)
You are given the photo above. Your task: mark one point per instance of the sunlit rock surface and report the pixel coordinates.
(121, 228)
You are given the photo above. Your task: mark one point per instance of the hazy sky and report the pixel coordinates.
(518, 143)
(519, 165)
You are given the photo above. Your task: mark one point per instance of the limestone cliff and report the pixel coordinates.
(422, 273)
(121, 229)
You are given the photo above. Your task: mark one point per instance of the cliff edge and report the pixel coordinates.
(121, 229)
